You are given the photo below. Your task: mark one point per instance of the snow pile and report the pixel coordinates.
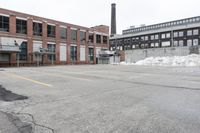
(190, 60)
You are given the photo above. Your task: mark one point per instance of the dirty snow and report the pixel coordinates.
(190, 60)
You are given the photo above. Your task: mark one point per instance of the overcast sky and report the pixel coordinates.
(95, 12)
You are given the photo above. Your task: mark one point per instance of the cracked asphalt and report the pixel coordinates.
(102, 99)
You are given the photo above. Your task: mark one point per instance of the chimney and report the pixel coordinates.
(113, 19)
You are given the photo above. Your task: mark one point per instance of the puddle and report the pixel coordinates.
(8, 96)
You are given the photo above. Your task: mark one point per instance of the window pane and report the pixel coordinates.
(82, 36)
(37, 29)
(196, 32)
(74, 35)
(21, 26)
(51, 31)
(189, 32)
(98, 38)
(63, 33)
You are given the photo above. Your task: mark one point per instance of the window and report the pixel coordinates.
(152, 37)
(175, 43)
(156, 37)
(91, 38)
(51, 48)
(51, 31)
(74, 35)
(196, 32)
(189, 42)
(166, 44)
(105, 39)
(63, 33)
(4, 23)
(21, 26)
(189, 32)
(175, 34)
(163, 36)
(142, 38)
(82, 36)
(23, 52)
(157, 44)
(98, 38)
(181, 44)
(37, 29)
(91, 54)
(73, 53)
(180, 34)
(168, 35)
(146, 38)
(195, 42)
(152, 45)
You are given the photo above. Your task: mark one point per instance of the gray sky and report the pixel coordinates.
(95, 12)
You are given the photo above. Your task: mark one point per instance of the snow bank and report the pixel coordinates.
(190, 60)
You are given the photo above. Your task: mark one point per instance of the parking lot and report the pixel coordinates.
(103, 99)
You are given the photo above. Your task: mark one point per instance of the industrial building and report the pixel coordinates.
(179, 33)
(31, 40)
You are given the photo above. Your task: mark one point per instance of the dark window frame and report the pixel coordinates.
(37, 29)
(21, 26)
(4, 23)
(51, 31)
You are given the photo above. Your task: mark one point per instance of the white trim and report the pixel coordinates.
(21, 18)
(51, 24)
(61, 26)
(99, 33)
(37, 41)
(82, 46)
(82, 30)
(90, 46)
(91, 32)
(73, 28)
(36, 21)
(73, 44)
(104, 34)
(51, 43)
(5, 15)
(63, 44)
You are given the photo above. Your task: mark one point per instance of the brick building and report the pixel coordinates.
(28, 40)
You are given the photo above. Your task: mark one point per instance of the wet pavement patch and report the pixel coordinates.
(8, 96)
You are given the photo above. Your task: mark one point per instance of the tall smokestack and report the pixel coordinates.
(113, 19)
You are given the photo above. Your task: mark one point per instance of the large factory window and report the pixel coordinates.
(195, 42)
(51, 31)
(189, 33)
(37, 29)
(4, 23)
(52, 49)
(98, 38)
(91, 38)
(74, 35)
(63, 33)
(21, 26)
(73, 53)
(180, 34)
(105, 39)
(82, 36)
(196, 32)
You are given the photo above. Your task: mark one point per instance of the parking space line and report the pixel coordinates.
(65, 76)
(28, 79)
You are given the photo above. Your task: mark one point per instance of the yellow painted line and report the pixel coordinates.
(64, 76)
(28, 79)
